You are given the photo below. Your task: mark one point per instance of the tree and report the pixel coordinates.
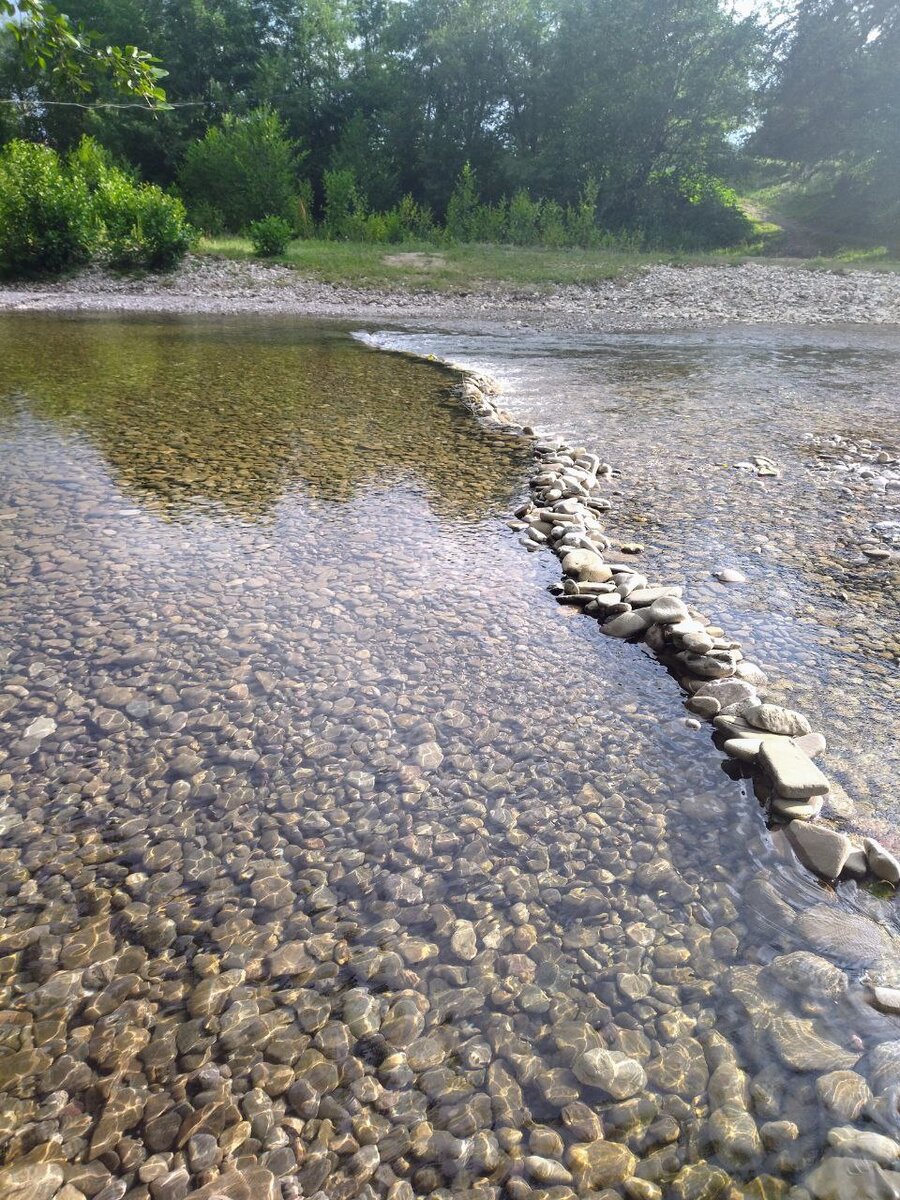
(245, 168)
(831, 105)
(50, 42)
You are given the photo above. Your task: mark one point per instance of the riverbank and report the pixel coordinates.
(652, 297)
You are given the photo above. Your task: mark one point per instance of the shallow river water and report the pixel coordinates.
(674, 413)
(337, 859)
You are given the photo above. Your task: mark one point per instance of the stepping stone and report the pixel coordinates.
(793, 775)
(819, 848)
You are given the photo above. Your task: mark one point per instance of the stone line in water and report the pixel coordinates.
(775, 743)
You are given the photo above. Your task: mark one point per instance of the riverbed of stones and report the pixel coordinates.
(345, 890)
(776, 744)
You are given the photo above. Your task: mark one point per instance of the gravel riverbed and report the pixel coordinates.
(656, 297)
(339, 860)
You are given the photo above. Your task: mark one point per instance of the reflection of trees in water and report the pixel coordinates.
(190, 415)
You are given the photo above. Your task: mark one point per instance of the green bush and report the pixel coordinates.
(208, 218)
(552, 224)
(46, 218)
(408, 222)
(581, 218)
(344, 217)
(270, 236)
(144, 227)
(462, 220)
(523, 220)
(246, 167)
(692, 212)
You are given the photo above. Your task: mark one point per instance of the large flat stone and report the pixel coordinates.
(791, 772)
(852, 1179)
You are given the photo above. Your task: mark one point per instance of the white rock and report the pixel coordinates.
(882, 863)
(41, 727)
(775, 719)
(858, 1143)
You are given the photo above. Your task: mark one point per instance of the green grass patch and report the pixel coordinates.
(460, 268)
(442, 268)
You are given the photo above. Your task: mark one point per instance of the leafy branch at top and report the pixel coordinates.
(49, 42)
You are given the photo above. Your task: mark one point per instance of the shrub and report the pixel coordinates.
(143, 226)
(462, 219)
(408, 222)
(344, 216)
(552, 224)
(693, 212)
(491, 222)
(581, 218)
(523, 220)
(246, 167)
(208, 218)
(270, 236)
(46, 221)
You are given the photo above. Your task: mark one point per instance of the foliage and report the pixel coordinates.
(46, 217)
(246, 168)
(50, 43)
(831, 108)
(54, 215)
(462, 224)
(695, 212)
(270, 236)
(344, 213)
(530, 97)
(304, 220)
(143, 226)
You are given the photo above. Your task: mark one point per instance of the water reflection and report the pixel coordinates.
(337, 858)
(161, 401)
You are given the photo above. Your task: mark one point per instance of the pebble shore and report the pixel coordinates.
(655, 297)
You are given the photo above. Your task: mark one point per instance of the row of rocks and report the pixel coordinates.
(777, 744)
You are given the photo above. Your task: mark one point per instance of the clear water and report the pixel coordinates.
(674, 413)
(337, 841)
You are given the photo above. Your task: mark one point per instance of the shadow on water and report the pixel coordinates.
(334, 850)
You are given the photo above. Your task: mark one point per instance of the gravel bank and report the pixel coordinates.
(661, 295)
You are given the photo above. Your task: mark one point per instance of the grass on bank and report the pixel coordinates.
(455, 268)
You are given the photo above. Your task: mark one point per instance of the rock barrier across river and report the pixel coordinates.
(776, 745)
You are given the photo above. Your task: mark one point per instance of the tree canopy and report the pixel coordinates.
(647, 99)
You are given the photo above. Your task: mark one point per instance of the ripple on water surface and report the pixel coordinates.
(337, 858)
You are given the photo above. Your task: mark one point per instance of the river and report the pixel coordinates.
(338, 859)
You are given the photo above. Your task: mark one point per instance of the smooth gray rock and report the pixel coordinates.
(586, 566)
(859, 1143)
(704, 706)
(706, 667)
(727, 691)
(882, 863)
(819, 848)
(797, 810)
(791, 773)
(667, 610)
(852, 1179)
(775, 719)
(629, 624)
